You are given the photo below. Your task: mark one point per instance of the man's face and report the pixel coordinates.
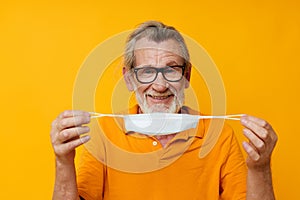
(159, 95)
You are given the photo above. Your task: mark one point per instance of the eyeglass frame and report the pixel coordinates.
(159, 70)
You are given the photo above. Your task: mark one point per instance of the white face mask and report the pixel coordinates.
(162, 123)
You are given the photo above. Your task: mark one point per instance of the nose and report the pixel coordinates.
(160, 84)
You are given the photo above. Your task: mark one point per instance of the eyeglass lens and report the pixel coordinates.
(149, 74)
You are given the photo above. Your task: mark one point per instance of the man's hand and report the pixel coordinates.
(262, 140)
(65, 134)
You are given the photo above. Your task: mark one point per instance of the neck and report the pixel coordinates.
(165, 139)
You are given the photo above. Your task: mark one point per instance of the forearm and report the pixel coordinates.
(65, 135)
(65, 187)
(259, 185)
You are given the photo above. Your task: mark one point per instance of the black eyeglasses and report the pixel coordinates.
(147, 74)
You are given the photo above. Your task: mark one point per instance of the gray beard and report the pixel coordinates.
(175, 106)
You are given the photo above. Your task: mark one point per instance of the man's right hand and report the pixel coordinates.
(65, 134)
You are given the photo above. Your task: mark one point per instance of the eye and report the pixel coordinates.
(147, 70)
(171, 69)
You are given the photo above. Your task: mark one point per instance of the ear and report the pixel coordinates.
(128, 79)
(188, 75)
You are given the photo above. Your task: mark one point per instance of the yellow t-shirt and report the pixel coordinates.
(131, 166)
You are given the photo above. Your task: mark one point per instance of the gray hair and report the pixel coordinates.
(153, 31)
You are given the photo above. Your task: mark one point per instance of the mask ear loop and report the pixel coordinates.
(97, 115)
(234, 117)
(229, 117)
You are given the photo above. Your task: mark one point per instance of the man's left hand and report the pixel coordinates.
(262, 140)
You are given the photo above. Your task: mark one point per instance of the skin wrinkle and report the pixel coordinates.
(157, 55)
(149, 53)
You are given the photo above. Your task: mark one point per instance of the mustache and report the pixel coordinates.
(159, 94)
(169, 92)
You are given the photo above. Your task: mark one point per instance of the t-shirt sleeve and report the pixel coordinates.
(90, 177)
(233, 173)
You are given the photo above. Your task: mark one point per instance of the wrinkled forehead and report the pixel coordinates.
(169, 46)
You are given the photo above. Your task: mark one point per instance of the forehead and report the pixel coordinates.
(146, 50)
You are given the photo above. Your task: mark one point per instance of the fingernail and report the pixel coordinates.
(84, 139)
(245, 145)
(88, 113)
(243, 121)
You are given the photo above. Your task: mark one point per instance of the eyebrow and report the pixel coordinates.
(172, 63)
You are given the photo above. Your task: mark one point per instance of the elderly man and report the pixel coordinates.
(157, 69)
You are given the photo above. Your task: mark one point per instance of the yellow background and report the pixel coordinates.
(255, 45)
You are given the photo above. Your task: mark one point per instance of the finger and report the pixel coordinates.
(256, 127)
(73, 113)
(261, 122)
(264, 124)
(66, 148)
(252, 154)
(72, 122)
(71, 133)
(254, 139)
